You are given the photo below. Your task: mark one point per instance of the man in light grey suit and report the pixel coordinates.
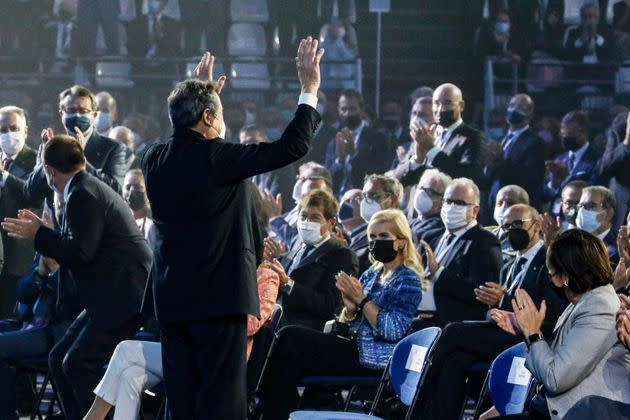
(584, 358)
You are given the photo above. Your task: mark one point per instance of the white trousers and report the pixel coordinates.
(134, 367)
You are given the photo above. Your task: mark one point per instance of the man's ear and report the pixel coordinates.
(208, 117)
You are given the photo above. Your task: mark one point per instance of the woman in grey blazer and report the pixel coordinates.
(583, 362)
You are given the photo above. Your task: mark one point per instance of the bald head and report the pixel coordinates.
(123, 135)
(527, 218)
(520, 111)
(448, 104)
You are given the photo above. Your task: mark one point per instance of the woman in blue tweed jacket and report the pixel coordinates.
(379, 308)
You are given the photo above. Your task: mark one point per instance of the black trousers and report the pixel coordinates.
(204, 365)
(300, 352)
(461, 345)
(76, 361)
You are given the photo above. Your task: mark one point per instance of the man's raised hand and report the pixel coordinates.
(203, 71)
(307, 63)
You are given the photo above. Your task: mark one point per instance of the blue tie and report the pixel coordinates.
(507, 144)
(571, 162)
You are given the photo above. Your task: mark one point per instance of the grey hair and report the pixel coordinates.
(467, 183)
(608, 198)
(521, 194)
(12, 109)
(441, 177)
(390, 185)
(189, 100)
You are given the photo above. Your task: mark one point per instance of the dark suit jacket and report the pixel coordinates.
(473, 260)
(103, 248)
(536, 283)
(585, 170)
(280, 181)
(18, 254)
(524, 166)
(359, 245)
(207, 235)
(315, 298)
(461, 158)
(605, 51)
(319, 145)
(615, 162)
(611, 246)
(373, 156)
(429, 229)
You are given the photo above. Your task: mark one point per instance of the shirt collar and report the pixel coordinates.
(357, 229)
(518, 132)
(321, 242)
(603, 234)
(5, 156)
(580, 152)
(453, 126)
(461, 232)
(531, 252)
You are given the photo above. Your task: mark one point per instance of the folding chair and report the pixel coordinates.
(35, 366)
(508, 382)
(406, 372)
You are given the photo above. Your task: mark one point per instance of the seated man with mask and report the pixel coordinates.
(349, 217)
(464, 344)
(428, 226)
(554, 224)
(596, 215)
(465, 258)
(506, 198)
(308, 294)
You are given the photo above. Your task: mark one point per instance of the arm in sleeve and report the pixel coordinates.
(393, 323)
(569, 363)
(267, 295)
(27, 289)
(113, 172)
(85, 218)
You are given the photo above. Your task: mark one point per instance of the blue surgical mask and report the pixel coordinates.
(502, 27)
(587, 220)
(103, 122)
(77, 120)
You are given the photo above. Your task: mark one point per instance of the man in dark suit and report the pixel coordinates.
(465, 258)
(591, 41)
(596, 215)
(105, 156)
(309, 297)
(519, 158)
(278, 183)
(17, 161)
(108, 258)
(506, 198)
(428, 226)
(208, 245)
(452, 146)
(578, 163)
(464, 344)
(357, 150)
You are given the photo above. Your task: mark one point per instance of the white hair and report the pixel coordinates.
(467, 183)
(440, 177)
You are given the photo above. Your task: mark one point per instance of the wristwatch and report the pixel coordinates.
(531, 339)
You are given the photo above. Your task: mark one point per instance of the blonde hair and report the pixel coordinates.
(400, 229)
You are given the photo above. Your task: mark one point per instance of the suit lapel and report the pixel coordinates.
(18, 166)
(457, 246)
(314, 254)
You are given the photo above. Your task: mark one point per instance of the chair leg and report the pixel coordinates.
(346, 405)
(482, 397)
(40, 396)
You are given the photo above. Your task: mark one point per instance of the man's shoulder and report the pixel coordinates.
(469, 132)
(106, 143)
(482, 236)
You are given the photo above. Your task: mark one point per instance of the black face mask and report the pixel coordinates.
(136, 200)
(383, 250)
(346, 212)
(518, 239)
(515, 116)
(570, 215)
(447, 118)
(570, 143)
(351, 121)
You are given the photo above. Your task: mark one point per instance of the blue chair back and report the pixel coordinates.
(509, 380)
(409, 360)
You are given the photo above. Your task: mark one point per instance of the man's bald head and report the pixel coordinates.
(528, 219)
(447, 97)
(123, 135)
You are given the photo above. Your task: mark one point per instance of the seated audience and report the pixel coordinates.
(380, 192)
(378, 308)
(494, 39)
(596, 214)
(506, 198)
(428, 226)
(590, 41)
(553, 225)
(308, 294)
(357, 149)
(349, 216)
(578, 163)
(583, 359)
(451, 146)
(465, 258)
(464, 344)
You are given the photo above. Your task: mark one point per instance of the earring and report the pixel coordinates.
(566, 283)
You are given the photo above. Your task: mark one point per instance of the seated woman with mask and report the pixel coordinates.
(378, 308)
(583, 361)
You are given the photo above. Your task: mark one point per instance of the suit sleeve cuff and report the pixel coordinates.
(308, 99)
(288, 288)
(431, 154)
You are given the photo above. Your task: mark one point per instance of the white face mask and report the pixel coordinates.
(454, 216)
(297, 191)
(223, 130)
(587, 220)
(12, 142)
(369, 209)
(422, 202)
(103, 122)
(499, 212)
(310, 232)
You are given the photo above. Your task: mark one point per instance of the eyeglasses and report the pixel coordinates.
(81, 111)
(431, 191)
(374, 197)
(570, 203)
(516, 224)
(457, 202)
(591, 206)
